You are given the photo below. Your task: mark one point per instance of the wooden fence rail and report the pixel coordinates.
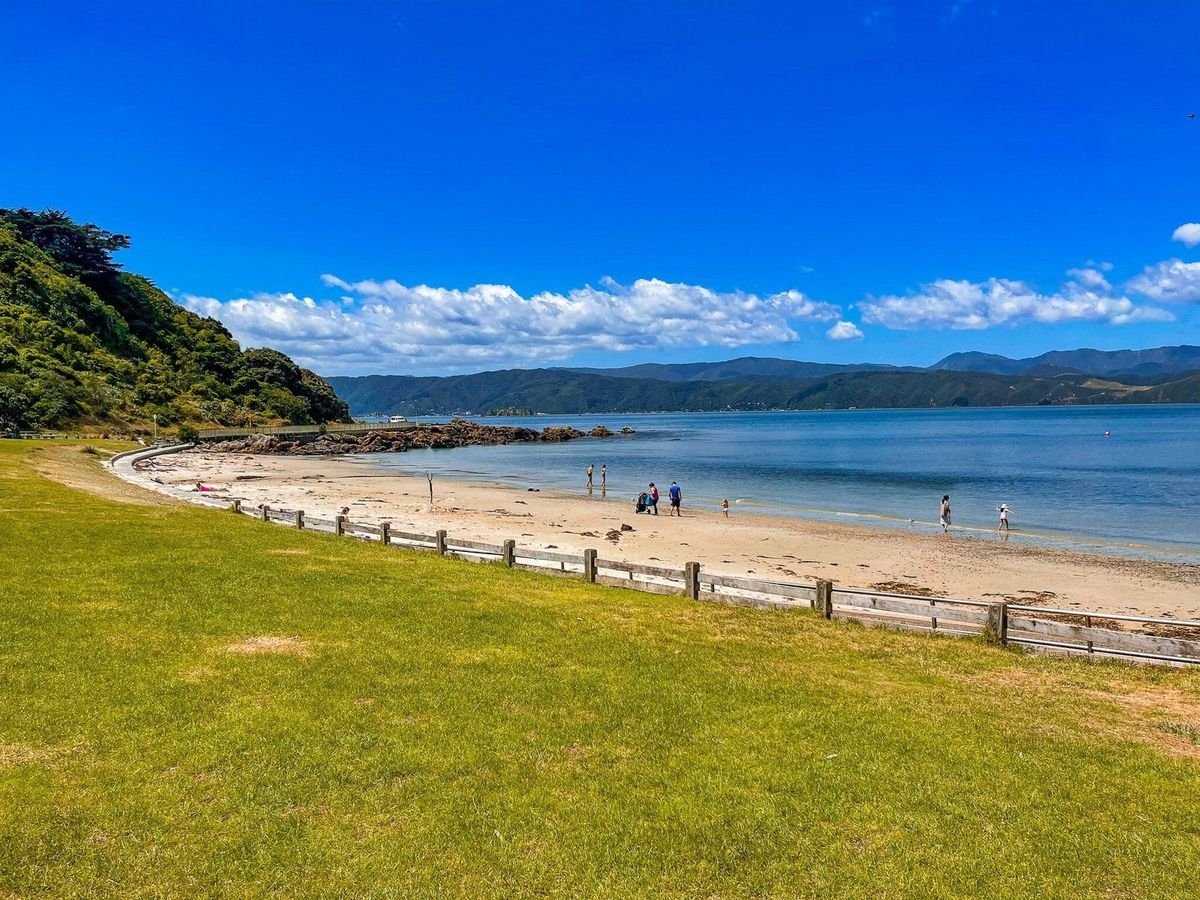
(1063, 631)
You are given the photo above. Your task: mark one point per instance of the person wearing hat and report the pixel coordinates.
(1003, 526)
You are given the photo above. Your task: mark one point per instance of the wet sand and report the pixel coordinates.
(915, 561)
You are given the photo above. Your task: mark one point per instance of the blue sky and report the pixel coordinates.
(611, 183)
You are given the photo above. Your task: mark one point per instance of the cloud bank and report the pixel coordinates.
(1170, 281)
(385, 325)
(965, 305)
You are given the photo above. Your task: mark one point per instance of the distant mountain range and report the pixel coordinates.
(1156, 361)
(745, 367)
(1160, 375)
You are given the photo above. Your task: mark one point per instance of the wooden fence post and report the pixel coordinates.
(440, 538)
(339, 525)
(691, 580)
(266, 513)
(996, 630)
(300, 519)
(385, 533)
(237, 506)
(824, 601)
(508, 553)
(589, 566)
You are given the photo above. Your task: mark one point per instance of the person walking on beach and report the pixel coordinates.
(725, 507)
(653, 498)
(589, 474)
(944, 515)
(1003, 526)
(676, 496)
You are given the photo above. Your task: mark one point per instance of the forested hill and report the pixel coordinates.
(564, 391)
(1177, 360)
(83, 342)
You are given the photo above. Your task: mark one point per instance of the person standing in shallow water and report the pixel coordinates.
(603, 476)
(589, 475)
(944, 515)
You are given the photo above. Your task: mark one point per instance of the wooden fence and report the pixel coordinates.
(1064, 631)
(38, 435)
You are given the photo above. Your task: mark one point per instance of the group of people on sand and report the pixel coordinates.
(944, 516)
(649, 498)
(674, 494)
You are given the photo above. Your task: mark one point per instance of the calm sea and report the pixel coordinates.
(1122, 479)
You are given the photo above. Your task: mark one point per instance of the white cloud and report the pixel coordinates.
(844, 331)
(1188, 233)
(388, 326)
(1169, 281)
(1087, 297)
(1092, 277)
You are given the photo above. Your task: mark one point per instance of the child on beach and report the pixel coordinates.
(1003, 526)
(725, 508)
(944, 515)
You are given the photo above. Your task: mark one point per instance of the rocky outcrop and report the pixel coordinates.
(627, 430)
(459, 433)
(557, 434)
(600, 431)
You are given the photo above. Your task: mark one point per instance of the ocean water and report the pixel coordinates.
(1134, 490)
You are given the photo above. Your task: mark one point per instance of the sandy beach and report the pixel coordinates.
(764, 546)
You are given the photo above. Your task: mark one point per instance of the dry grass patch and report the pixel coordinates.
(13, 755)
(1165, 718)
(289, 551)
(197, 674)
(269, 644)
(83, 471)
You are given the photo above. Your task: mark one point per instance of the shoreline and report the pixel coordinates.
(758, 545)
(1171, 553)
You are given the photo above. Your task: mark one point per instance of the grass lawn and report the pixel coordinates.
(192, 702)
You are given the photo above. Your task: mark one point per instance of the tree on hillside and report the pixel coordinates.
(83, 251)
(83, 341)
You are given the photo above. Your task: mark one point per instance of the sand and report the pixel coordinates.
(918, 560)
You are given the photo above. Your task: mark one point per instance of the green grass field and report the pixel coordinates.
(437, 727)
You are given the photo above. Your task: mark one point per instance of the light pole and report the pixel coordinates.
(155, 428)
